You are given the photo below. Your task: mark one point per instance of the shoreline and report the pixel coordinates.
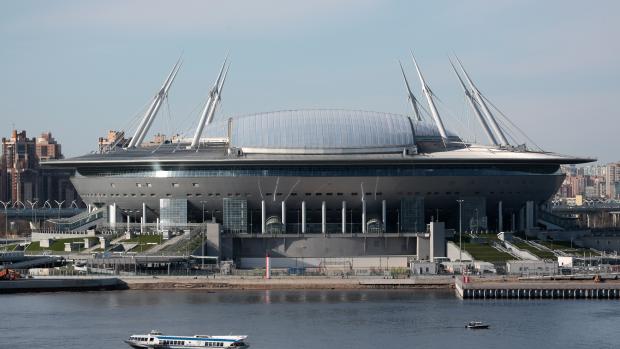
(245, 283)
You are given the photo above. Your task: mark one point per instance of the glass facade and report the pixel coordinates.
(329, 171)
(235, 218)
(412, 215)
(172, 213)
(474, 211)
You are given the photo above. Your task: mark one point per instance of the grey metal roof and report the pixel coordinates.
(323, 129)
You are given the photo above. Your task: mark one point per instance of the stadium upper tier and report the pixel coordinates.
(319, 135)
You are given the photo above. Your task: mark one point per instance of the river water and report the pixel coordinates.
(306, 319)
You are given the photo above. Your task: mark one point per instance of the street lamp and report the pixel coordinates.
(32, 205)
(6, 217)
(460, 201)
(59, 203)
(202, 235)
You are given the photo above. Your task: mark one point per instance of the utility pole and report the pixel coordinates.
(203, 235)
(460, 201)
(6, 218)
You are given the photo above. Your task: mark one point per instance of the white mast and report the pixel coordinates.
(147, 121)
(474, 106)
(496, 129)
(431, 103)
(209, 109)
(410, 95)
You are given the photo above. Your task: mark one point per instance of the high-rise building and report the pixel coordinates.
(47, 148)
(114, 139)
(612, 176)
(23, 179)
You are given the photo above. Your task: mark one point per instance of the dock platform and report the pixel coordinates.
(538, 289)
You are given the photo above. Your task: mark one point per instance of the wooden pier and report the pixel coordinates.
(538, 289)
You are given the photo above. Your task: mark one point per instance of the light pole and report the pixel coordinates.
(202, 260)
(32, 205)
(460, 201)
(59, 203)
(46, 206)
(6, 217)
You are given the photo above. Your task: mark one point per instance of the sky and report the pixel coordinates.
(80, 68)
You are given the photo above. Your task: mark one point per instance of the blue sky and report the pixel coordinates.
(79, 68)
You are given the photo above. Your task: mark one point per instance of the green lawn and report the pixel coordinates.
(145, 239)
(145, 242)
(565, 246)
(57, 245)
(8, 247)
(489, 236)
(536, 252)
(487, 253)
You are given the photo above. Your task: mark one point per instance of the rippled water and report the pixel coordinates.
(306, 319)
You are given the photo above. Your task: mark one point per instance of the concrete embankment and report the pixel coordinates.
(51, 284)
(288, 283)
(538, 289)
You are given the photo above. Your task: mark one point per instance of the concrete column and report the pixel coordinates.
(344, 217)
(513, 222)
(144, 213)
(128, 221)
(263, 217)
(112, 215)
(529, 215)
(303, 217)
(141, 225)
(90, 208)
(323, 217)
(384, 215)
(363, 216)
(500, 218)
(284, 215)
(157, 224)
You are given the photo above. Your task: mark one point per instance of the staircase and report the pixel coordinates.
(80, 221)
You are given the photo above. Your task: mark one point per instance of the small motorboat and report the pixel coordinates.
(476, 325)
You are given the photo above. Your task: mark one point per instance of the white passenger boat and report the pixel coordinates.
(157, 340)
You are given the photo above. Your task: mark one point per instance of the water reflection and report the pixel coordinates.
(310, 319)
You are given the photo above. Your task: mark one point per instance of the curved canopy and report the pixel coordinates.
(324, 131)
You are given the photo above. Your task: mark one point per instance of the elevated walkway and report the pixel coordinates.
(80, 221)
(553, 221)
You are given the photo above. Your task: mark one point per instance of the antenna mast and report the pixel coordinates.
(474, 106)
(208, 111)
(151, 113)
(497, 130)
(431, 103)
(410, 95)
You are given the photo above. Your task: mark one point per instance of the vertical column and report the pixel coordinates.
(344, 217)
(283, 216)
(143, 220)
(112, 215)
(513, 222)
(323, 217)
(263, 217)
(303, 217)
(157, 224)
(384, 215)
(500, 218)
(363, 216)
(128, 221)
(144, 212)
